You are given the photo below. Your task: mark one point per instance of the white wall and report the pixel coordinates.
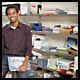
(60, 5)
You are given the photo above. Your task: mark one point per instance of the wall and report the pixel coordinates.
(60, 5)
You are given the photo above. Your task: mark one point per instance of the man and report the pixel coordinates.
(16, 41)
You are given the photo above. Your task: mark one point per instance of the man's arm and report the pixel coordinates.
(28, 42)
(2, 45)
(24, 65)
(26, 60)
(28, 52)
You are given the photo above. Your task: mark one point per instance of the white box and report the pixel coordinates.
(37, 44)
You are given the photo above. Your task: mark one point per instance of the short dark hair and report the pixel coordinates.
(11, 6)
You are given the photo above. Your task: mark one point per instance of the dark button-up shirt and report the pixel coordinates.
(17, 41)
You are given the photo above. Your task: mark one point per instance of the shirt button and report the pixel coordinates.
(14, 35)
(14, 41)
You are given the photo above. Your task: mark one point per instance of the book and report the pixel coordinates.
(15, 62)
(75, 47)
(70, 41)
(73, 51)
(62, 50)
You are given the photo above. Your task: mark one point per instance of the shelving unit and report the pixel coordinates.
(47, 53)
(49, 69)
(57, 34)
(73, 18)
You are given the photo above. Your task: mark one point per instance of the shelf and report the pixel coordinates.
(59, 15)
(56, 34)
(42, 15)
(49, 69)
(48, 53)
(37, 66)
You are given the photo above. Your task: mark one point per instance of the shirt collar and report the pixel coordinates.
(13, 27)
(19, 25)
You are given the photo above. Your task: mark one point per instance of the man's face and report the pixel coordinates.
(12, 15)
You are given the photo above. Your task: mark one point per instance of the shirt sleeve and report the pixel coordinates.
(28, 42)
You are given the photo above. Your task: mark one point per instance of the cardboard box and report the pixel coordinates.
(65, 32)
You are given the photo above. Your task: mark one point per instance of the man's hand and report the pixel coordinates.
(22, 68)
(24, 65)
